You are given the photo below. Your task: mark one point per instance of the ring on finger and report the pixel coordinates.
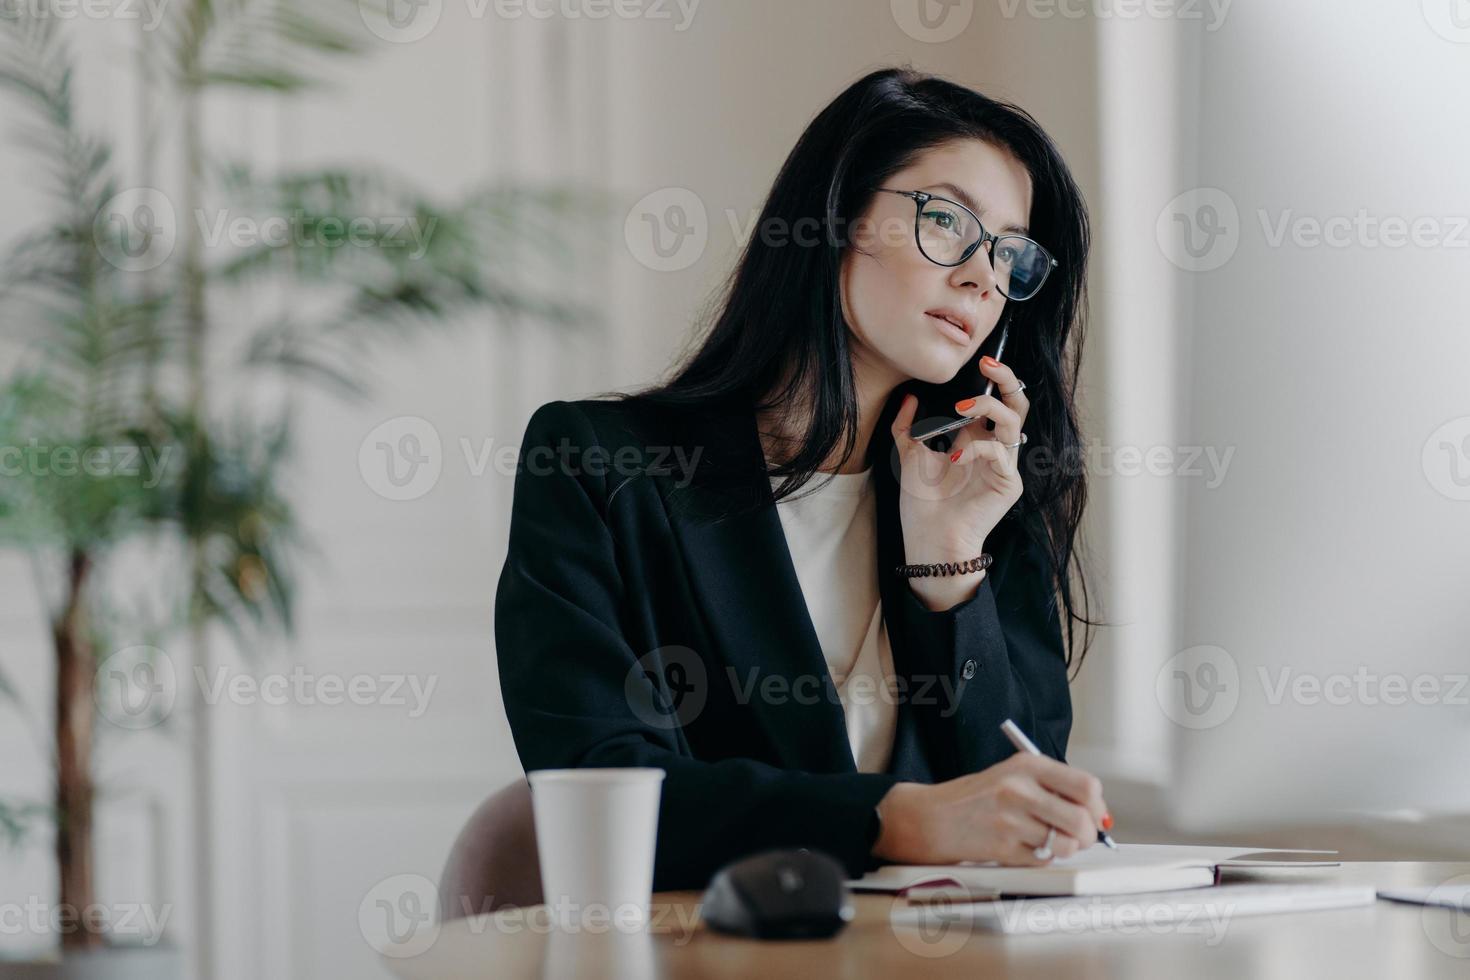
(1020, 387)
(1043, 852)
(1017, 444)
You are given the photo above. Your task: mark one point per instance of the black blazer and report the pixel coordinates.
(639, 623)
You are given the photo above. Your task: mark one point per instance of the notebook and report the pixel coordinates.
(1096, 871)
(1191, 911)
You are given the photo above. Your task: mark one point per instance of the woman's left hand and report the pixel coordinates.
(949, 504)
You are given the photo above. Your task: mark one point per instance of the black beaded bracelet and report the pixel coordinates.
(984, 561)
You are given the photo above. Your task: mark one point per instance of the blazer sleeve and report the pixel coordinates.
(1013, 635)
(564, 664)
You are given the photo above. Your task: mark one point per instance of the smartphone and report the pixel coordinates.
(936, 415)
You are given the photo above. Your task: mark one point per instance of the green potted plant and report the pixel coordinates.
(112, 409)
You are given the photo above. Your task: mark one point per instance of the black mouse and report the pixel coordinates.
(782, 894)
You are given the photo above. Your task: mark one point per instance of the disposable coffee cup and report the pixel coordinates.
(595, 834)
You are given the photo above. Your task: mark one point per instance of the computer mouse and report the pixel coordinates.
(780, 894)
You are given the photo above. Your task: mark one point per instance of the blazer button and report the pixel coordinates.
(968, 670)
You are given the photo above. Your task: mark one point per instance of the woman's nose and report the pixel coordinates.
(977, 269)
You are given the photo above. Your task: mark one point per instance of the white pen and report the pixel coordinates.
(1023, 744)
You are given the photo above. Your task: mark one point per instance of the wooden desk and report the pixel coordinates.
(1385, 939)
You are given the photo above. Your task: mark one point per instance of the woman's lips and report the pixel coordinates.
(955, 333)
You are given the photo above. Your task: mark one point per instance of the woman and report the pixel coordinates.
(668, 601)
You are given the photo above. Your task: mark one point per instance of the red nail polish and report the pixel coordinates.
(965, 405)
(989, 361)
(1107, 821)
(954, 457)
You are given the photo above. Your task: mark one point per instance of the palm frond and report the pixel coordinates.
(8, 690)
(91, 323)
(405, 262)
(230, 498)
(70, 488)
(36, 67)
(252, 44)
(17, 818)
(296, 350)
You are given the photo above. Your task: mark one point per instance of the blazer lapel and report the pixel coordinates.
(741, 569)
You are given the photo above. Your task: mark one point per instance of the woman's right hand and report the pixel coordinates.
(999, 814)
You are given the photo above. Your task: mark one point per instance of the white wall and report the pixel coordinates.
(1330, 347)
(1328, 375)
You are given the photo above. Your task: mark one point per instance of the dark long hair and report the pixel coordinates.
(779, 329)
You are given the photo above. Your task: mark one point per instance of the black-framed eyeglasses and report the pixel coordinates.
(948, 233)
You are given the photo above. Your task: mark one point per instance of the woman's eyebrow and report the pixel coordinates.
(964, 198)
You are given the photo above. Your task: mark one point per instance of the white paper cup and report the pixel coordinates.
(595, 833)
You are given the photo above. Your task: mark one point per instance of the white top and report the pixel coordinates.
(832, 534)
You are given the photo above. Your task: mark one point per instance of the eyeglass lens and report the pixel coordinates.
(948, 234)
